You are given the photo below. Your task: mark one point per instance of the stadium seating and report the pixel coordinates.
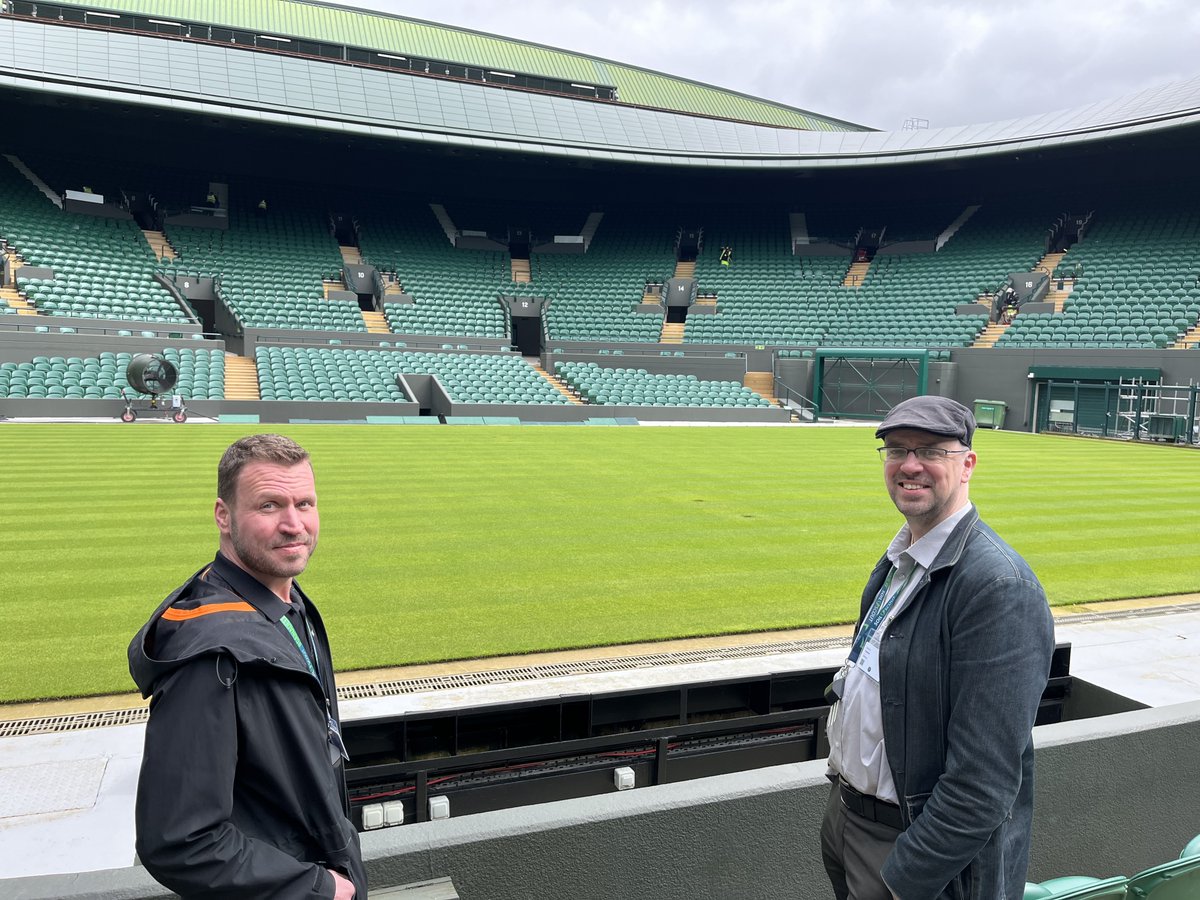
(484, 378)
(767, 295)
(103, 268)
(1078, 887)
(456, 292)
(326, 373)
(637, 387)
(332, 373)
(102, 377)
(269, 268)
(770, 296)
(1138, 282)
(1178, 879)
(593, 296)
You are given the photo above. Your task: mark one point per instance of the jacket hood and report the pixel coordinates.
(203, 617)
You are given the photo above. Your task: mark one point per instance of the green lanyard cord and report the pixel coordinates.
(287, 623)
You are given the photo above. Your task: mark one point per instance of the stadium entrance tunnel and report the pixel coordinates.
(527, 315)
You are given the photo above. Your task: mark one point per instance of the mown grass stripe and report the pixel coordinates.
(441, 543)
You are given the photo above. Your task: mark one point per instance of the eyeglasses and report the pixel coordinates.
(924, 454)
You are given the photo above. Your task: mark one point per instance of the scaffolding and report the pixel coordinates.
(1130, 410)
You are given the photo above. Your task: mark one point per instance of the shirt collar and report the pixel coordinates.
(925, 551)
(251, 589)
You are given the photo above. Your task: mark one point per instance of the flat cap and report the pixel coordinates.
(937, 415)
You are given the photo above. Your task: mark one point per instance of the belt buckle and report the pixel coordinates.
(851, 799)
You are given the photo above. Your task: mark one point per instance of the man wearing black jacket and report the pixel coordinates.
(242, 792)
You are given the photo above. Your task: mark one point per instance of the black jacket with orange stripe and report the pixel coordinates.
(238, 796)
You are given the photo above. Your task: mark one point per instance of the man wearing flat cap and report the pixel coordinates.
(930, 746)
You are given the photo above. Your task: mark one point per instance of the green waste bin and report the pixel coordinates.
(1165, 428)
(990, 413)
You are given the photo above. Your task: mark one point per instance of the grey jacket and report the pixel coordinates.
(964, 665)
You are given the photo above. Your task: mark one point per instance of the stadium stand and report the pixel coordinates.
(328, 373)
(269, 268)
(304, 373)
(455, 292)
(637, 387)
(102, 377)
(103, 268)
(767, 295)
(594, 295)
(904, 300)
(1135, 277)
(817, 223)
(484, 378)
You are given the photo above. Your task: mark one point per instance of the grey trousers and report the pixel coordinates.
(854, 850)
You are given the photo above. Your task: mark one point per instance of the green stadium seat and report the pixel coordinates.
(1178, 879)
(1078, 887)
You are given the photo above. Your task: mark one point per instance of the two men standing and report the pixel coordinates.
(931, 751)
(242, 793)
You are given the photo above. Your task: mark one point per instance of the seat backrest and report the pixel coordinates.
(1178, 879)
(1079, 887)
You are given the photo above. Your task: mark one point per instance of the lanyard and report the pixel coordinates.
(880, 607)
(337, 747)
(287, 623)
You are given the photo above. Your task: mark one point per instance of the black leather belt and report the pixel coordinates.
(871, 808)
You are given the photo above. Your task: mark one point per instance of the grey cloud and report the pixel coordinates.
(876, 62)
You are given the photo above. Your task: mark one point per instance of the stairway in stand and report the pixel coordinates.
(989, 335)
(376, 322)
(672, 333)
(241, 378)
(856, 273)
(1189, 340)
(14, 299)
(159, 244)
(1048, 264)
(351, 256)
(557, 382)
(520, 271)
(9, 292)
(763, 384)
(685, 269)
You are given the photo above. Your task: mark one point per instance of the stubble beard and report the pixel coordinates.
(264, 562)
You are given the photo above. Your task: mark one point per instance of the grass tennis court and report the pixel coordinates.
(456, 542)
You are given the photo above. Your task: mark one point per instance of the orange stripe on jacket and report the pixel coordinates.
(179, 615)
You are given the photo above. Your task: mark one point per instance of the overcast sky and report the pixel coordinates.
(874, 62)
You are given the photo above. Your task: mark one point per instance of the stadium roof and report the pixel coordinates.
(219, 80)
(400, 35)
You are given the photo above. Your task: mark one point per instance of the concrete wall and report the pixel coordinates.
(356, 340)
(16, 346)
(18, 342)
(1114, 795)
(1003, 374)
(708, 368)
(283, 411)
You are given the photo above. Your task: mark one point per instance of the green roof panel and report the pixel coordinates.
(400, 35)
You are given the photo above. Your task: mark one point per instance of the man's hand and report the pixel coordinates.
(343, 887)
